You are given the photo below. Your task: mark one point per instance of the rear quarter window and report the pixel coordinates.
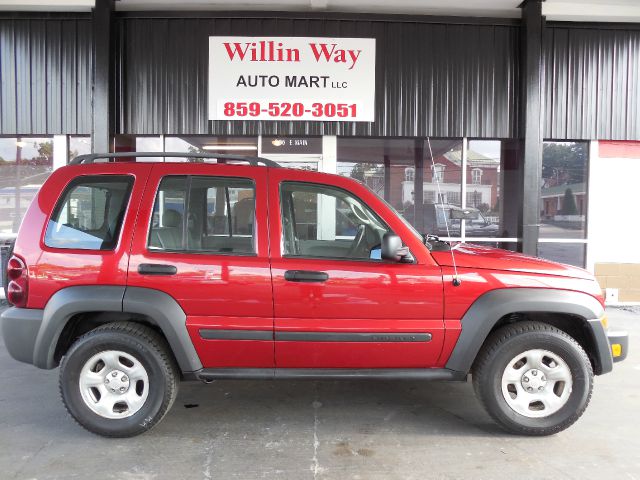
(90, 213)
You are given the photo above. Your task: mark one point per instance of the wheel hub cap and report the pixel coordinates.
(533, 380)
(117, 382)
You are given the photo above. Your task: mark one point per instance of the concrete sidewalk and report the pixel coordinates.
(321, 430)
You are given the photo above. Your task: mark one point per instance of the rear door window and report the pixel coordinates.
(204, 214)
(90, 213)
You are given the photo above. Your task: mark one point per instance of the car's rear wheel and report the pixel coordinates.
(533, 378)
(119, 380)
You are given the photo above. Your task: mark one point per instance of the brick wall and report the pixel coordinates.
(623, 276)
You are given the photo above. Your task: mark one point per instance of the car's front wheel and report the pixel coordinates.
(119, 380)
(533, 378)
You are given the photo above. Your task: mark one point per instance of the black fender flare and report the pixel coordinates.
(490, 307)
(165, 312)
(63, 305)
(161, 309)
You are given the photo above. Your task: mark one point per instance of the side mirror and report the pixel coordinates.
(393, 250)
(463, 214)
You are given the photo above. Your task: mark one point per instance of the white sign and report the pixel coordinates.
(292, 78)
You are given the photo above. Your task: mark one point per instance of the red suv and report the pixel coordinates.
(133, 276)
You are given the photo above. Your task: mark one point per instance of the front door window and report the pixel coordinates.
(326, 222)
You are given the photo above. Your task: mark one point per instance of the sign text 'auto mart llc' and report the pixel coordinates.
(291, 78)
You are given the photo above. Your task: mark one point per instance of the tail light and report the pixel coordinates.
(18, 286)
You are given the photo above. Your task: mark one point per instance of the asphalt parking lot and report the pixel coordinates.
(321, 430)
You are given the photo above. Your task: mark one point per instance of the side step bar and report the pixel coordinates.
(208, 374)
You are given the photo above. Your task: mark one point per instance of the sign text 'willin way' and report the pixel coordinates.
(277, 52)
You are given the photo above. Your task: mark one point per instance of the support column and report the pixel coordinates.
(17, 214)
(387, 176)
(102, 117)
(463, 190)
(512, 181)
(60, 151)
(327, 204)
(531, 86)
(329, 154)
(596, 195)
(418, 186)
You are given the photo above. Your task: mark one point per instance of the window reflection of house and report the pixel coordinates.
(393, 168)
(554, 200)
(563, 193)
(438, 173)
(482, 180)
(474, 199)
(409, 174)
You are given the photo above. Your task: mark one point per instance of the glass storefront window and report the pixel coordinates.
(393, 168)
(25, 163)
(563, 190)
(570, 253)
(563, 201)
(140, 143)
(186, 143)
(513, 246)
(182, 144)
(403, 173)
(78, 145)
(209, 144)
(386, 166)
(311, 166)
(441, 187)
(483, 176)
(148, 144)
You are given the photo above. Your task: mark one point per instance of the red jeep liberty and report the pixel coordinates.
(132, 276)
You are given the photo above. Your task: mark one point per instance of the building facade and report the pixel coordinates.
(534, 124)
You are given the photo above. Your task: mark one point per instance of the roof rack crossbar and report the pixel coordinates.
(92, 157)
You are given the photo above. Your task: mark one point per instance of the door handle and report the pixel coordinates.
(305, 276)
(156, 269)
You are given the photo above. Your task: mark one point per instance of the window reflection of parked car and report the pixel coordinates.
(436, 217)
(480, 226)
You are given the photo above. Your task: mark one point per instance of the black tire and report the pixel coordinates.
(146, 346)
(508, 342)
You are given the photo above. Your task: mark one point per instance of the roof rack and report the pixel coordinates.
(253, 161)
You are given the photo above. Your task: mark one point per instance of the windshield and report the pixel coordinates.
(482, 220)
